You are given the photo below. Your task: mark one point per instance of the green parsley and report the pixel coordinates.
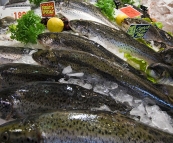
(131, 2)
(27, 29)
(107, 8)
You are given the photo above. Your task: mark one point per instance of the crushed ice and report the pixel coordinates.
(150, 115)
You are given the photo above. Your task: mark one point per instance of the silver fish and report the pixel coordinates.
(115, 41)
(76, 9)
(80, 127)
(36, 97)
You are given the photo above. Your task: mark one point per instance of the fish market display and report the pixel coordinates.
(10, 54)
(71, 41)
(37, 97)
(80, 126)
(115, 40)
(153, 33)
(87, 79)
(82, 10)
(86, 62)
(19, 73)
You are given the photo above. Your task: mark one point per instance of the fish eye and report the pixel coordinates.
(5, 136)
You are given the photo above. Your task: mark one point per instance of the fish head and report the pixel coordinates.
(80, 26)
(49, 40)
(18, 131)
(158, 71)
(167, 55)
(45, 57)
(167, 38)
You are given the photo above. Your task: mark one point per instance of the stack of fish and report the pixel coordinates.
(46, 110)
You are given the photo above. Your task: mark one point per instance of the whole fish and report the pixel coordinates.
(161, 72)
(36, 97)
(77, 9)
(79, 127)
(167, 55)
(9, 54)
(153, 33)
(81, 61)
(70, 41)
(18, 73)
(115, 41)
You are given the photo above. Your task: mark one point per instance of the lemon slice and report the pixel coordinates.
(55, 24)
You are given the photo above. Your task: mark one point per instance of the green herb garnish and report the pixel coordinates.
(136, 62)
(131, 2)
(27, 29)
(107, 8)
(144, 42)
(158, 24)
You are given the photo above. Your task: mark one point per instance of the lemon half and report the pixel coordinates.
(55, 24)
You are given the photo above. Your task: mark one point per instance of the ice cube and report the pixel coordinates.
(67, 70)
(102, 108)
(76, 74)
(101, 89)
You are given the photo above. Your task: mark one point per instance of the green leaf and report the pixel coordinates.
(158, 24)
(142, 65)
(27, 29)
(107, 8)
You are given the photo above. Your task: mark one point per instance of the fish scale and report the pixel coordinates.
(36, 97)
(76, 9)
(135, 85)
(70, 41)
(81, 126)
(19, 73)
(115, 40)
(9, 54)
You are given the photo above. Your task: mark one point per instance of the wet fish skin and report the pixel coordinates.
(6, 21)
(80, 126)
(167, 55)
(76, 9)
(153, 33)
(19, 73)
(70, 41)
(39, 97)
(168, 39)
(135, 85)
(116, 40)
(10, 54)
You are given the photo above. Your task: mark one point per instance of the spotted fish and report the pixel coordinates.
(79, 126)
